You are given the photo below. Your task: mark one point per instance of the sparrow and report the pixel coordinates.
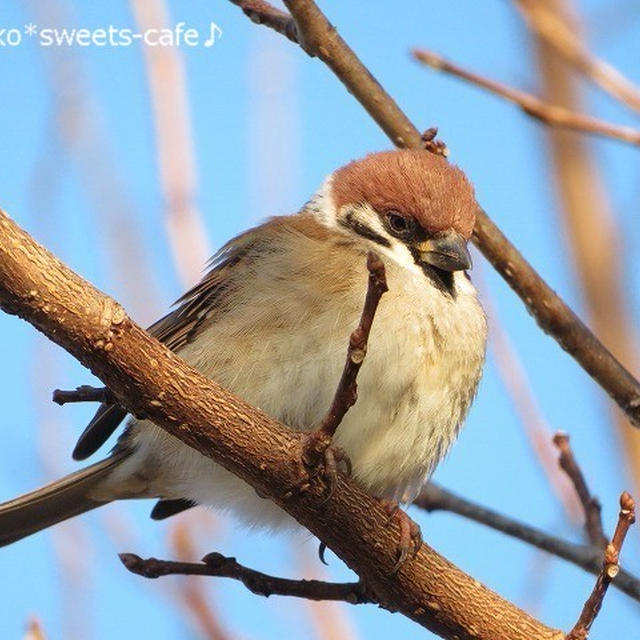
(270, 321)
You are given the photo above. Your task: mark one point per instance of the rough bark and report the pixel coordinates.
(150, 380)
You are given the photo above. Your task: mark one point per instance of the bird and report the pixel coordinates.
(270, 321)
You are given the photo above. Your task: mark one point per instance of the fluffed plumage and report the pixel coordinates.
(270, 321)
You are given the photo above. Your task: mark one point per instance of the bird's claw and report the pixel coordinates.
(410, 533)
(321, 549)
(319, 458)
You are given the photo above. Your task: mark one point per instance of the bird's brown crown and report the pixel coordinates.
(414, 182)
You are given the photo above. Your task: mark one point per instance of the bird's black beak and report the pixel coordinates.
(446, 250)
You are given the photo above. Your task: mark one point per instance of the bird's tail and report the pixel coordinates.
(55, 502)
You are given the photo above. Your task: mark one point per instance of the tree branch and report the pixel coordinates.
(550, 114)
(346, 393)
(83, 393)
(263, 13)
(590, 504)
(150, 380)
(610, 569)
(559, 34)
(319, 38)
(262, 584)
(436, 498)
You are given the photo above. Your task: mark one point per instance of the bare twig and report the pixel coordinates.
(555, 31)
(610, 569)
(590, 504)
(315, 445)
(553, 315)
(550, 114)
(262, 584)
(347, 390)
(435, 498)
(83, 393)
(263, 13)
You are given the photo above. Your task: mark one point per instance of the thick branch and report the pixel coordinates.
(550, 114)
(262, 584)
(150, 380)
(589, 558)
(320, 38)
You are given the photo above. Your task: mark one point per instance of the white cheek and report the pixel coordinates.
(323, 207)
(399, 253)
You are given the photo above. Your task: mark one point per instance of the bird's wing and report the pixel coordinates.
(180, 326)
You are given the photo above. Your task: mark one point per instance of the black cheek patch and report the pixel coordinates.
(441, 279)
(361, 229)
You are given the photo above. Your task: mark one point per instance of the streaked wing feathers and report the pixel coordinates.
(176, 329)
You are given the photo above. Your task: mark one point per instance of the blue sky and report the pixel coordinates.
(268, 124)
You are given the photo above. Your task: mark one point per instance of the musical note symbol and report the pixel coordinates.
(215, 33)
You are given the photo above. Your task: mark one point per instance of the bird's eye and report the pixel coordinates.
(397, 223)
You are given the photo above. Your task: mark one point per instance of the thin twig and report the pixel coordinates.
(263, 13)
(556, 31)
(590, 504)
(346, 393)
(315, 445)
(262, 584)
(83, 393)
(550, 114)
(435, 498)
(552, 314)
(610, 569)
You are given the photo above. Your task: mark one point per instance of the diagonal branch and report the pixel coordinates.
(319, 38)
(262, 584)
(347, 390)
(149, 379)
(316, 443)
(551, 114)
(557, 33)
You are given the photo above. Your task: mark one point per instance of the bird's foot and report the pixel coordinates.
(320, 459)
(410, 533)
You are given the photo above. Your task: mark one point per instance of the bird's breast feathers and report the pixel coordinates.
(278, 338)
